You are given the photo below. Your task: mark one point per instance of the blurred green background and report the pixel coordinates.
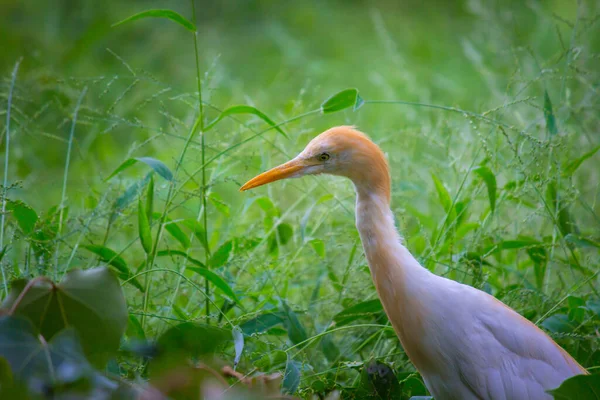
(502, 69)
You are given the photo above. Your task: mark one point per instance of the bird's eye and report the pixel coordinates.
(323, 157)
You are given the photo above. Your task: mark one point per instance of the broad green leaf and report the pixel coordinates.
(345, 99)
(110, 257)
(291, 377)
(198, 231)
(363, 309)
(144, 227)
(573, 165)
(490, 182)
(271, 360)
(221, 256)
(215, 280)
(263, 322)
(238, 344)
(245, 109)
(153, 163)
(25, 216)
(318, 246)
(579, 387)
(165, 253)
(296, 331)
(284, 233)
(90, 301)
(559, 323)
(160, 13)
(47, 364)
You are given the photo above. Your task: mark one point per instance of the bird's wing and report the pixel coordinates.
(508, 357)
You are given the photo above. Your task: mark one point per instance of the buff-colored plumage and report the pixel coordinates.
(465, 343)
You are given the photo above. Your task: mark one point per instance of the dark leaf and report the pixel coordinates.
(110, 257)
(559, 323)
(150, 199)
(128, 196)
(345, 99)
(291, 378)
(244, 109)
(379, 379)
(284, 233)
(579, 387)
(168, 14)
(263, 322)
(364, 309)
(90, 301)
(25, 216)
(198, 231)
(296, 331)
(566, 224)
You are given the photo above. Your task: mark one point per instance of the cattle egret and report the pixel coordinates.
(465, 343)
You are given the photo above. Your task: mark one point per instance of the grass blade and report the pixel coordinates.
(160, 13)
(245, 109)
(490, 181)
(216, 280)
(153, 163)
(573, 165)
(549, 115)
(144, 227)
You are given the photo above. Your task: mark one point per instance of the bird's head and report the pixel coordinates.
(343, 151)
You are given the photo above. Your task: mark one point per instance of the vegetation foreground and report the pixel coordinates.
(133, 268)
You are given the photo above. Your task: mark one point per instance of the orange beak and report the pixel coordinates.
(283, 171)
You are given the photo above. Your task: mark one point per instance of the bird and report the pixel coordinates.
(465, 343)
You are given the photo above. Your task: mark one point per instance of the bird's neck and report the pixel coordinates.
(401, 282)
(382, 244)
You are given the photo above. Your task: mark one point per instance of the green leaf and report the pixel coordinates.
(291, 378)
(296, 331)
(581, 241)
(571, 167)
(566, 224)
(284, 233)
(271, 360)
(318, 246)
(128, 196)
(110, 257)
(221, 256)
(578, 387)
(165, 253)
(150, 200)
(175, 231)
(345, 99)
(549, 115)
(263, 322)
(90, 301)
(25, 216)
(198, 231)
(39, 363)
(245, 109)
(135, 329)
(490, 182)
(559, 323)
(444, 196)
(378, 379)
(540, 261)
(153, 163)
(215, 280)
(160, 13)
(144, 227)
(238, 344)
(363, 309)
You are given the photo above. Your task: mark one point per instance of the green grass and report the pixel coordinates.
(488, 113)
